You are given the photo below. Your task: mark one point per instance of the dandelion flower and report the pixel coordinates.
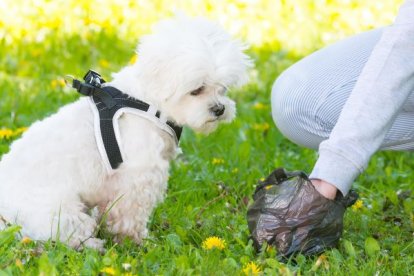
(58, 83)
(26, 240)
(108, 271)
(251, 269)
(259, 106)
(19, 263)
(133, 59)
(357, 205)
(6, 133)
(104, 63)
(217, 161)
(235, 170)
(262, 127)
(214, 242)
(19, 131)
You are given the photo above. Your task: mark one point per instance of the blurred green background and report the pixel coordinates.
(41, 40)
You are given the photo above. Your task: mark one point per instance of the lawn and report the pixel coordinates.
(212, 182)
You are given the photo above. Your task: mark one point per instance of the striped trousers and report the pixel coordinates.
(308, 97)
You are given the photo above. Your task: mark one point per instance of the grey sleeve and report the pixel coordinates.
(382, 88)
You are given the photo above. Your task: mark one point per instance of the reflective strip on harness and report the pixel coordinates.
(106, 126)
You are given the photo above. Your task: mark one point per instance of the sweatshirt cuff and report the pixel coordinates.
(335, 169)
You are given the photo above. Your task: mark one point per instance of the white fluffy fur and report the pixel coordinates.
(54, 174)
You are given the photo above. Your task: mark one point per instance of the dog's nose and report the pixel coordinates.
(218, 110)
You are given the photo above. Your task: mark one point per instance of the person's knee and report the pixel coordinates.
(285, 99)
(292, 109)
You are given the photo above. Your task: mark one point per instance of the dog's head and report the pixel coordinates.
(188, 65)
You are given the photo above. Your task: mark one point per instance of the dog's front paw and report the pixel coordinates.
(93, 243)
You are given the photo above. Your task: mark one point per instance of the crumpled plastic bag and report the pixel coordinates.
(290, 214)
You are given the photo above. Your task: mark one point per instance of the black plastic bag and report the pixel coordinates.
(290, 214)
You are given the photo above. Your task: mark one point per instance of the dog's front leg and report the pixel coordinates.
(128, 212)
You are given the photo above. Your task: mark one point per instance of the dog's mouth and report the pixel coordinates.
(212, 120)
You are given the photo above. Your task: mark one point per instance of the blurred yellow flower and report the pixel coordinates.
(259, 106)
(26, 240)
(6, 133)
(357, 205)
(19, 131)
(36, 52)
(58, 83)
(235, 170)
(217, 161)
(108, 270)
(214, 242)
(104, 63)
(251, 269)
(133, 59)
(262, 127)
(19, 263)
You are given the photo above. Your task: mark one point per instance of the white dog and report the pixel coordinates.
(56, 172)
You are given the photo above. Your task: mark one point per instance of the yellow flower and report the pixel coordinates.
(36, 52)
(104, 63)
(259, 106)
(357, 205)
(6, 133)
(262, 127)
(108, 270)
(19, 263)
(19, 131)
(58, 82)
(217, 161)
(251, 269)
(235, 170)
(26, 240)
(214, 242)
(133, 59)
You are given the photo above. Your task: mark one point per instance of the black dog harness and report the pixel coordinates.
(108, 105)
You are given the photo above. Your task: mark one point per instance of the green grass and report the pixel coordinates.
(204, 199)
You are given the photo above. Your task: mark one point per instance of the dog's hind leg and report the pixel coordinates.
(71, 226)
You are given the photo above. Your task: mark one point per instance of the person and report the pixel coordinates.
(350, 100)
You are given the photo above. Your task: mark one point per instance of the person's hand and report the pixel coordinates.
(325, 188)
(292, 215)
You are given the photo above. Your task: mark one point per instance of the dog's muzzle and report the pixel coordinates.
(218, 110)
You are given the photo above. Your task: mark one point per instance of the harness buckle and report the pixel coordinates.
(93, 78)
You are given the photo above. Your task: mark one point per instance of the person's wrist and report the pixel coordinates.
(325, 188)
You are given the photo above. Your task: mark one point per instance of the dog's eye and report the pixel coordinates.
(197, 92)
(223, 91)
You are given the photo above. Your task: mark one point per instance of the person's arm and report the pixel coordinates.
(381, 90)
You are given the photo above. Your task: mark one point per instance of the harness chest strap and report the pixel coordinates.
(108, 104)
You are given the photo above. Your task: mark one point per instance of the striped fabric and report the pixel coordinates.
(308, 97)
